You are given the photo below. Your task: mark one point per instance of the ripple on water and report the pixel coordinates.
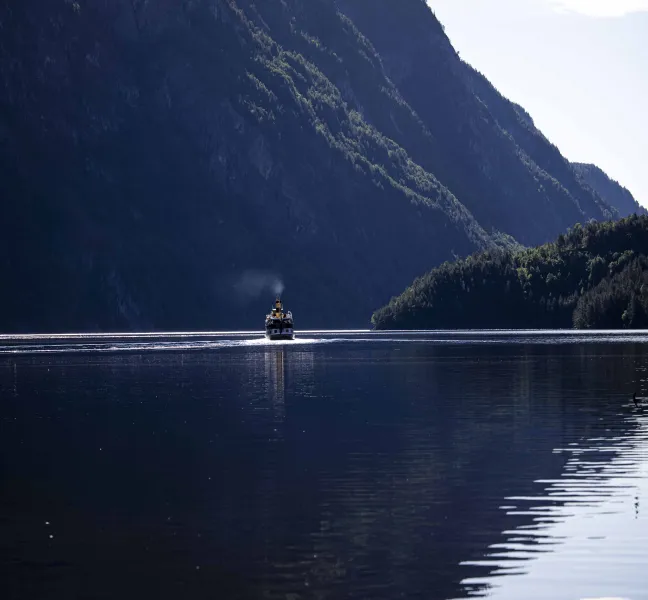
(580, 537)
(339, 465)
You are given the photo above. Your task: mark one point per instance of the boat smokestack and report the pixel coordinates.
(278, 324)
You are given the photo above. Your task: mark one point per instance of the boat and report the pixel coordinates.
(279, 324)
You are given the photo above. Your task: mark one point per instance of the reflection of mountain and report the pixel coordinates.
(410, 484)
(368, 470)
(584, 513)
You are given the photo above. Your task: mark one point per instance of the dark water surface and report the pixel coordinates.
(342, 465)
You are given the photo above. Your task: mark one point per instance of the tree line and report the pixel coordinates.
(593, 276)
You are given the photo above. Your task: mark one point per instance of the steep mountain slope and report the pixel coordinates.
(490, 153)
(151, 161)
(152, 153)
(596, 276)
(611, 191)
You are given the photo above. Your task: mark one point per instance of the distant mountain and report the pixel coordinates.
(596, 276)
(166, 163)
(611, 191)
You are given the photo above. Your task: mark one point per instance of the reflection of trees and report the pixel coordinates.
(413, 488)
(585, 504)
(579, 392)
(412, 512)
(313, 476)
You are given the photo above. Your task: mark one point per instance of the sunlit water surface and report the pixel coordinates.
(511, 465)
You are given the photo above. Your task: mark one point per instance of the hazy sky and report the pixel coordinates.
(579, 67)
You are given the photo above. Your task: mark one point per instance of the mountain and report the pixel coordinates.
(596, 276)
(611, 191)
(168, 164)
(488, 151)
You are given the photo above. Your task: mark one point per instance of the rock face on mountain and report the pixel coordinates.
(156, 153)
(611, 191)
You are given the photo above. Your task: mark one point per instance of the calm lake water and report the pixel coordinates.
(341, 465)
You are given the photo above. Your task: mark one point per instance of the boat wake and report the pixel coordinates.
(213, 341)
(49, 345)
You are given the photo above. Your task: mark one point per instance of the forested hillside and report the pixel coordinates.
(154, 154)
(595, 276)
(611, 191)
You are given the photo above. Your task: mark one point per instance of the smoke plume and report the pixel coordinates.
(254, 283)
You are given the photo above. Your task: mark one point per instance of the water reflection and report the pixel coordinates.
(581, 521)
(348, 470)
(275, 372)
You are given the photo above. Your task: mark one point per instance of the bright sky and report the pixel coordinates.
(579, 67)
